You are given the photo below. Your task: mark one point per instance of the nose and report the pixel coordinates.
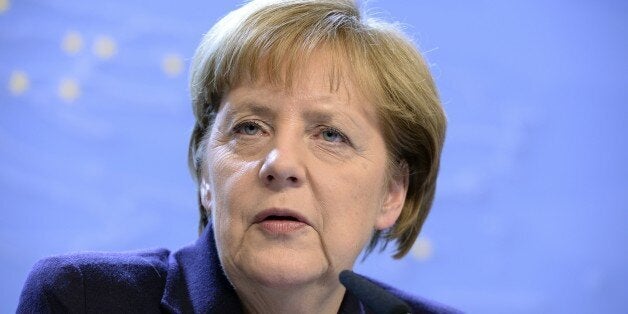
(283, 167)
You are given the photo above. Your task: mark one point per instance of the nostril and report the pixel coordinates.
(292, 179)
(269, 178)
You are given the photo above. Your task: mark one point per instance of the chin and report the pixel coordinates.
(283, 268)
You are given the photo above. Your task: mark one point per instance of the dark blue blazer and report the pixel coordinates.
(190, 280)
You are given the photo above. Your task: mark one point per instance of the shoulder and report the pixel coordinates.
(95, 281)
(417, 304)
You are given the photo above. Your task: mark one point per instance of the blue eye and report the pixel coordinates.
(332, 135)
(248, 128)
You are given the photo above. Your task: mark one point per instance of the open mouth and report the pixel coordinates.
(277, 217)
(280, 221)
(280, 214)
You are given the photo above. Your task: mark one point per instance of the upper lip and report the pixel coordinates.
(281, 212)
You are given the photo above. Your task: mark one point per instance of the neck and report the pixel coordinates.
(309, 299)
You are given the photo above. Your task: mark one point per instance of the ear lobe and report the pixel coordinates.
(205, 194)
(394, 199)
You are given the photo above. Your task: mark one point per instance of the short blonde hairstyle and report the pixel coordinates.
(267, 40)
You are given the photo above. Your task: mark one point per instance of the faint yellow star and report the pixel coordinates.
(422, 249)
(72, 42)
(4, 5)
(172, 65)
(104, 47)
(69, 90)
(18, 82)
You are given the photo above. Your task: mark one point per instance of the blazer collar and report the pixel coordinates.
(196, 282)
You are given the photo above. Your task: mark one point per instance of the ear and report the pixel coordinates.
(205, 194)
(394, 198)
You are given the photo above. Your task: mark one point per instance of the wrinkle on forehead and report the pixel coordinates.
(319, 103)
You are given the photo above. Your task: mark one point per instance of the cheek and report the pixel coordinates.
(353, 200)
(227, 174)
(230, 179)
(359, 189)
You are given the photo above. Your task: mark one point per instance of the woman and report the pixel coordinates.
(318, 135)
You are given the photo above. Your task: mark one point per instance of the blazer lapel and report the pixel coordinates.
(196, 282)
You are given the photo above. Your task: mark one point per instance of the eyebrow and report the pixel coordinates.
(324, 117)
(260, 110)
(312, 115)
(318, 116)
(252, 107)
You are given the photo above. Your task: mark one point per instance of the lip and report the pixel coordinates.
(282, 212)
(293, 223)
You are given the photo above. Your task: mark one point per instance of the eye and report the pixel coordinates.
(247, 128)
(333, 135)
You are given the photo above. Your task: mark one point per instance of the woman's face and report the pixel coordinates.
(296, 180)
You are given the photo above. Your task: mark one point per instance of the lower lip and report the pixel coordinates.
(281, 226)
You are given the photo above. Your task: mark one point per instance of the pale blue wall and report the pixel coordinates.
(530, 214)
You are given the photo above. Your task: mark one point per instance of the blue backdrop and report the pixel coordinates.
(530, 214)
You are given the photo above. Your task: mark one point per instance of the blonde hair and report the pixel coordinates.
(266, 40)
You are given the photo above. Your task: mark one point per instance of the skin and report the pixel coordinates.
(311, 150)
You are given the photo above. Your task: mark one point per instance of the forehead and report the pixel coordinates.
(334, 63)
(318, 84)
